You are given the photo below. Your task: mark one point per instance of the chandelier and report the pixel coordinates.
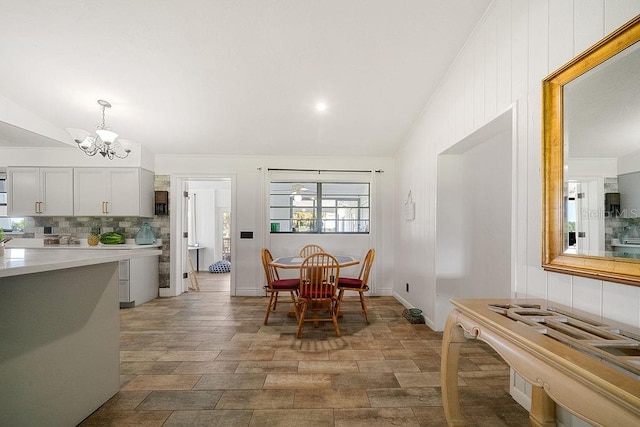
(103, 142)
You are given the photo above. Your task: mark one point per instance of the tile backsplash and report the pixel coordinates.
(615, 225)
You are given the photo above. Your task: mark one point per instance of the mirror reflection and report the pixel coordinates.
(602, 159)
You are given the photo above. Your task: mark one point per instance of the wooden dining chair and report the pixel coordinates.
(319, 275)
(275, 285)
(310, 249)
(358, 284)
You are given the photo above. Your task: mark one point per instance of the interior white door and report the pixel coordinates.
(184, 247)
(582, 244)
(589, 216)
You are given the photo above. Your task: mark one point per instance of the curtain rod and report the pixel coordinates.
(324, 170)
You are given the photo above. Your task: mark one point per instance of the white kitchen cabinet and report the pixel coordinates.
(34, 191)
(138, 281)
(113, 192)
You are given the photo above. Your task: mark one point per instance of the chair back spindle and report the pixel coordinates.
(310, 249)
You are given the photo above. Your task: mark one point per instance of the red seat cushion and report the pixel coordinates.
(285, 284)
(349, 282)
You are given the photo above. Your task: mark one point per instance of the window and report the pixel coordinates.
(12, 224)
(7, 224)
(319, 207)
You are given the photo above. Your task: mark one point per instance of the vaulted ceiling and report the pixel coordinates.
(239, 77)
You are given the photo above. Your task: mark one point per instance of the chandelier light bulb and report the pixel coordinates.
(107, 136)
(86, 143)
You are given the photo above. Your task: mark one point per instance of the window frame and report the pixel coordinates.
(319, 223)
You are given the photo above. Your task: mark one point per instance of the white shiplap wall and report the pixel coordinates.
(513, 48)
(516, 44)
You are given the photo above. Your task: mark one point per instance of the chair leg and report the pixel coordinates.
(339, 301)
(271, 298)
(275, 301)
(295, 304)
(315, 311)
(364, 307)
(334, 318)
(303, 312)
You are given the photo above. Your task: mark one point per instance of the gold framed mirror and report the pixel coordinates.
(563, 135)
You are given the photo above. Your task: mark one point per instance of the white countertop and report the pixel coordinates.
(38, 243)
(19, 261)
(616, 242)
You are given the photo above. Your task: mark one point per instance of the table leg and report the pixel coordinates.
(543, 409)
(452, 341)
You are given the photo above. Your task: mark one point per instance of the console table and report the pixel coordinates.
(588, 365)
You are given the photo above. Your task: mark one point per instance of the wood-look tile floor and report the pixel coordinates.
(206, 359)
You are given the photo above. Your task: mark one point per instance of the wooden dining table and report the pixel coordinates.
(294, 262)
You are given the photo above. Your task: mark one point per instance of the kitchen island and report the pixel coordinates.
(138, 277)
(59, 329)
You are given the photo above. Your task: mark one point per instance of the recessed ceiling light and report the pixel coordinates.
(321, 107)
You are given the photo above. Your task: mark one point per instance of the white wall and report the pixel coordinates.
(250, 212)
(71, 156)
(59, 150)
(17, 116)
(516, 44)
(592, 167)
(514, 47)
(629, 163)
(250, 206)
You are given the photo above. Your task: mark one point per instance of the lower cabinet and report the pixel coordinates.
(138, 281)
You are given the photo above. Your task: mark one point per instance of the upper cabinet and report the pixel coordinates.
(113, 192)
(40, 191)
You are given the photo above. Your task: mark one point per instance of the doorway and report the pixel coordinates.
(475, 217)
(585, 224)
(202, 230)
